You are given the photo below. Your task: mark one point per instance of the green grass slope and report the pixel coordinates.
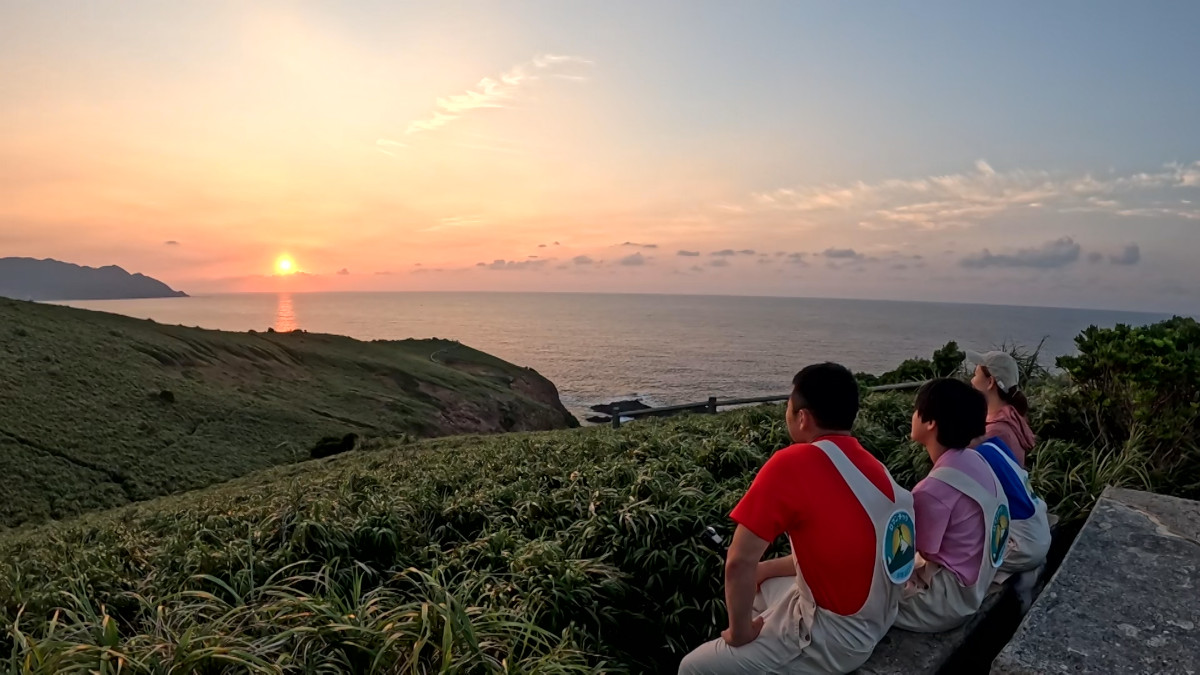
(97, 410)
(546, 552)
(553, 552)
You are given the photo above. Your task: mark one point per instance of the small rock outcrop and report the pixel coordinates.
(332, 445)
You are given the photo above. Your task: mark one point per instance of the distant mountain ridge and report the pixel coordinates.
(33, 279)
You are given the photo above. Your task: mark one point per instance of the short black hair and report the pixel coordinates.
(959, 411)
(829, 392)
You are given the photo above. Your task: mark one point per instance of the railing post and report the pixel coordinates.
(616, 416)
(712, 405)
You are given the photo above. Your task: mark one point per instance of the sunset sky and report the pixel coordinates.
(1020, 153)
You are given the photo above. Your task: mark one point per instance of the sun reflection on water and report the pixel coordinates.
(285, 314)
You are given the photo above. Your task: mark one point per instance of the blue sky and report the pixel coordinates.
(1015, 152)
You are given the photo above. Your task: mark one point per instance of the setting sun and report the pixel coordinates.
(285, 265)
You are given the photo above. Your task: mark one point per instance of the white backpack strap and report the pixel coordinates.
(996, 517)
(892, 518)
(968, 486)
(872, 498)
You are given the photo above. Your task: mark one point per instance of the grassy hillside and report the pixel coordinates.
(555, 552)
(97, 410)
(518, 538)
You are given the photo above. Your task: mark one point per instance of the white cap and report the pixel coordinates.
(1001, 365)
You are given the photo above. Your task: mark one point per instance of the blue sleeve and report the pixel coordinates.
(1020, 505)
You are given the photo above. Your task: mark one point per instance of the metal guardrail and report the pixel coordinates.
(710, 406)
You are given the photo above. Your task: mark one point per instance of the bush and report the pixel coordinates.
(1141, 385)
(945, 362)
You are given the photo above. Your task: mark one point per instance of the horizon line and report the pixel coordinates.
(655, 294)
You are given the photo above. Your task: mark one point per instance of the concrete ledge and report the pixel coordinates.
(1126, 599)
(905, 653)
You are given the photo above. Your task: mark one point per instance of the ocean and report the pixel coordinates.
(661, 349)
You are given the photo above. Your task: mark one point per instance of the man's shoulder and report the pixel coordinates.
(792, 456)
(931, 493)
(810, 451)
(968, 461)
(811, 457)
(797, 457)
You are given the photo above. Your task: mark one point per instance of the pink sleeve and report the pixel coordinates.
(932, 517)
(1004, 432)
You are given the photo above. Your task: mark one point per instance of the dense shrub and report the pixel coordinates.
(1142, 383)
(945, 362)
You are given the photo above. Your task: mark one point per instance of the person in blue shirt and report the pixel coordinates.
(1029, 533)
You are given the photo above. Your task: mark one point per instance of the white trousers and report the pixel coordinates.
(1028, 542)
(776, 650)
(934, 601)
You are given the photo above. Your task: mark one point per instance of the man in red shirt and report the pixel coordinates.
(825, 607)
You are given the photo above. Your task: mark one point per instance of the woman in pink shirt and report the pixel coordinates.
(998, 377)
(961, 512)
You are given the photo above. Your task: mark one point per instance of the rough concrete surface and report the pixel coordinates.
(902, 652)
(1126, 599)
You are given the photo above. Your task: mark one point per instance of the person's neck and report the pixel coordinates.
(818, 434)
(936, 450)
(995, 405)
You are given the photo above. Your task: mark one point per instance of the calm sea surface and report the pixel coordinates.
(662, 349)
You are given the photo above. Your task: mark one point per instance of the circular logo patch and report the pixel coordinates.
(1000, 535)
(899, 547)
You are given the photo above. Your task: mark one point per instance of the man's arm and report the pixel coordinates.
(779, 567)
(741, 567)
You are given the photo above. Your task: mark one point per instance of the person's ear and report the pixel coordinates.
(805, 419)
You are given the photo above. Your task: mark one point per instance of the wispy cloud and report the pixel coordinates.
(842, 254)
(961, 199)
(454, 222)
(1053, 254)
(343, 272)
(687, 254)
(500, 91)
(582, 260)
(633, 260)
(171, 243)
(387, 145)
(510, 265)
(719, 262)
(634, 244)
